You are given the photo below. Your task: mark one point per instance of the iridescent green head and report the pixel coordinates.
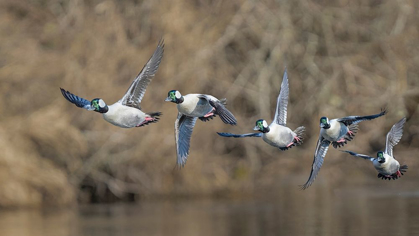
(262, 126)
(174, 96)
(380, 157)
(99, 105)
(324, 122)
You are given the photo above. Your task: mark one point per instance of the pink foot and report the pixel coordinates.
(342, 140)
(147, 119)
(398, 173)
(209, 114)
(351, 133)
(289, 145)
(297, 139)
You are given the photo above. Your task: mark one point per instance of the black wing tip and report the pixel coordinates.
(223, 134)
(383, 111)
(63, 91)
(155, 114)
(66, 94)
(181, 164)
(304, 186)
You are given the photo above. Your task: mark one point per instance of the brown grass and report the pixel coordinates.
(343, 58)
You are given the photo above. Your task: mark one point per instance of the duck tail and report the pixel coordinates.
(225, 115)
(403, 169)
(354, 129)
(155, 115)
(154, 118)
(300, 131)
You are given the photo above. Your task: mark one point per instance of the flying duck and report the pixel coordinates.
(190, 108)
(385, 163)
(277, 133)
(126, 113)
(336, 132)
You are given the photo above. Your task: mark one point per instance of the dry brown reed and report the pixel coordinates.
(343, 58)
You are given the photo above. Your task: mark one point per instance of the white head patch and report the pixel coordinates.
(178, 95)
(102, 103)
(265, 125)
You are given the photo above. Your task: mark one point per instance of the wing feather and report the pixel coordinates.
(356, 119)
(240, 135)
(319, 154)
(76, 100)
(394, 136)
(136, 91)
(366, 157)
(280, 117)
(183, 131)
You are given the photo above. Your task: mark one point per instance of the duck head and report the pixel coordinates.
(262, 126)
(99, 105)
(380, 157)
(174, 96)
(324, 122)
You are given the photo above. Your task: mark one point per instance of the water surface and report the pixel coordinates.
(366, 210)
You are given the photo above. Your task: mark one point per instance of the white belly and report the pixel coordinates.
(278, 136)
(193, 106)
(124, 116)
(390, 166)
(333, 133)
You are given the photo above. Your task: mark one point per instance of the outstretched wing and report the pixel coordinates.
(183, 131)
(136, 91)
(240, 135)
(366, 157)
(394, 136)
(319, 154)
(356, 119)
(280, 117)
(76, 100)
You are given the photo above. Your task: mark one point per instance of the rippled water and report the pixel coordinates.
(285, 211)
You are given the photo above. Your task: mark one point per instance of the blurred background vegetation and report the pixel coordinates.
(345, 57)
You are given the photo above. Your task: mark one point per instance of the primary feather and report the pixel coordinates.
(240, 135)
(280, 117)
(136, 91)
(76, 100)
(319, 154)
(183, 131)
(393, 137)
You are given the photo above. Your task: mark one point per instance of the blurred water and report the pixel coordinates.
(357, 211)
